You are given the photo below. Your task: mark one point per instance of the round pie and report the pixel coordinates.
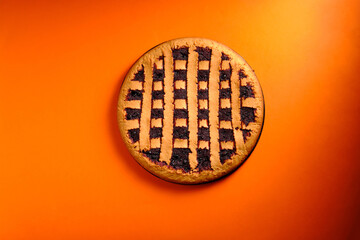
(190, 110)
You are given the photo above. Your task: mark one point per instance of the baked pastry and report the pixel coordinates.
(190, 110)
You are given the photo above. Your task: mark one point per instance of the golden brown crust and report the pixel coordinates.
(244, 126)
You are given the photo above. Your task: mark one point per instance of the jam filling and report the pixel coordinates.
(204, 53)
(180, 159)
(132, 113)
(203, 159)
(134, 134)
(180, 53)
(247, 115)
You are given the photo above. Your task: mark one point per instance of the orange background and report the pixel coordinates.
(66, 174)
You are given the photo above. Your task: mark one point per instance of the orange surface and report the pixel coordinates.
(65, 172)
